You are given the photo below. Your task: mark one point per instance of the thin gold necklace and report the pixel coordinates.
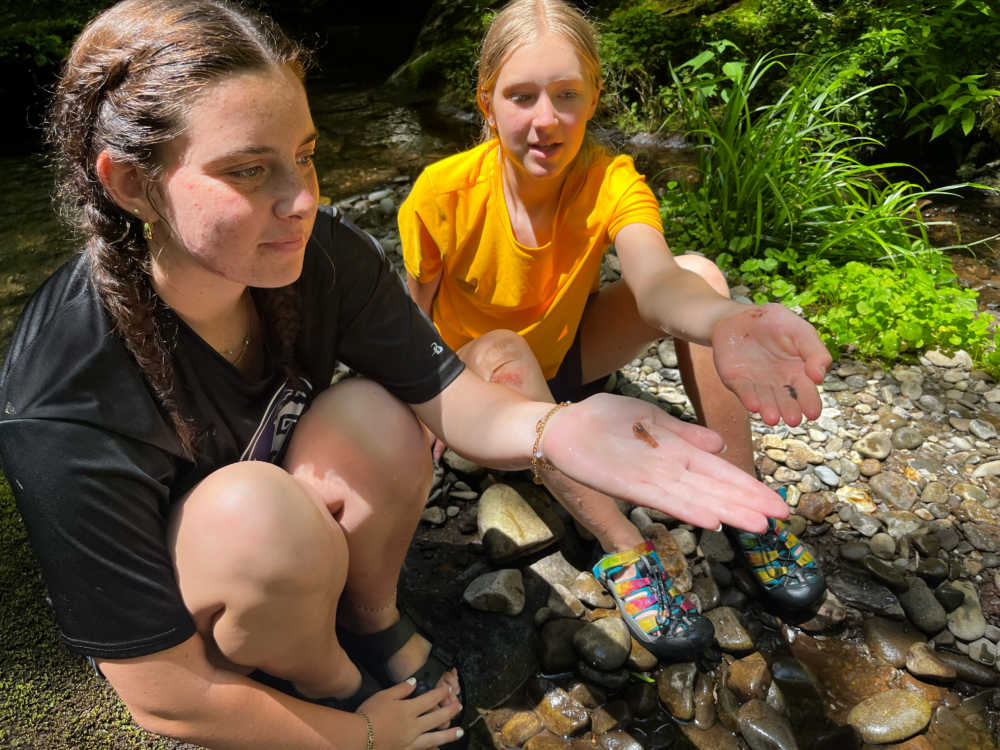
(246, 341)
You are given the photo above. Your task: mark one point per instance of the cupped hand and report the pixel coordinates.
(772, 360)
(595, 443)
(410, 723)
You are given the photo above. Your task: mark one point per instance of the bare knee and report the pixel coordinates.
(502, 357)
(707, 270)
(358, 434)
(255, 524)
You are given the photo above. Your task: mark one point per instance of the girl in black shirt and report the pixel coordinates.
(212, 519)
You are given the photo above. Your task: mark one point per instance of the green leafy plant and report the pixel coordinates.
(781, 201)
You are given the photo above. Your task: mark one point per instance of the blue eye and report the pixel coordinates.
(307, 160)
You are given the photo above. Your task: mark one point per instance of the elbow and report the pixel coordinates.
(174, 727)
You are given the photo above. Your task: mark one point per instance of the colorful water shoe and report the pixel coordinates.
(783, 567)
(656, 613)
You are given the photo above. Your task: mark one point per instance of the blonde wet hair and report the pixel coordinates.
(522, 22)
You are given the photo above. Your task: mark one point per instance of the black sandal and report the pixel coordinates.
(369, 686)
(373, 652)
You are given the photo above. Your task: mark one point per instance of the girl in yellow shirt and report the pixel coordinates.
(503, 245)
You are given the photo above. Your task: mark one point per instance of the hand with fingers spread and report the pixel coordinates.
(772, 360)
(665, 464)
(411, 723)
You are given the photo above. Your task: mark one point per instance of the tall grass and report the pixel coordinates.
(780, 177)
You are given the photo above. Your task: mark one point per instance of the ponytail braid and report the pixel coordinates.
(125, 89)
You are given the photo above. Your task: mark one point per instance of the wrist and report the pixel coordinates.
(728, 310)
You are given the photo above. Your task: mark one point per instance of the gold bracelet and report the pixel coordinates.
(371, 737)
(536, 455)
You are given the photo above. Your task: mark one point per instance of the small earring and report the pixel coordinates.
(147, 231)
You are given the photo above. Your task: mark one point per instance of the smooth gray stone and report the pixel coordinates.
(763, 728)
(923, 608)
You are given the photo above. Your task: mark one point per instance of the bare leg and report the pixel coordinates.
(613, 333)
(263, 555)
(504, 357)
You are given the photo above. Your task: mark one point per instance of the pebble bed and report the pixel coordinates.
(893, 488)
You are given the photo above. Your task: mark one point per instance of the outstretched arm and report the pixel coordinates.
(596, 444)
(768, 356)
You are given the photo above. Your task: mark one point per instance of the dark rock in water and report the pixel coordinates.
(855, 551)
(639, 659)
(704, 702)
(641, 699)
(716, 738)
(675, 687)
(730, 635)
(618, 741)
(721, 575)
(932, 570)
(558, 654)
(588, 695)
(749, 678)
(728, 708)
(948, 539)
(854, 587)
(610, 680)
(841, 738)
(828, 612)
(890, 716)
(715, 547)
(926, 544)
(887, 575)
(708, 594)
(764, 728)
(743, 580)
(562, 714)
(605, 644)
(950, 596)
(615, 715)
(776, 699)
(968, 670)
(889, 641)
(662, 739)
(921, 606)
(793, 673)
(519, 728)
(733, 598)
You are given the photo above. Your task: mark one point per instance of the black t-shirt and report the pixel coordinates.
(95, 466)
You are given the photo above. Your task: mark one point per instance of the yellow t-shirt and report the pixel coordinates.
(456, 218)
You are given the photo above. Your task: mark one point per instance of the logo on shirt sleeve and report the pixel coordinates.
(436, 349)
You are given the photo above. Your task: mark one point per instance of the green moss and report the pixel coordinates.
(49, 698)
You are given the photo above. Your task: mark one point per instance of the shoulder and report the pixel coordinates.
(339, 239)
(66, 363)
(457, 173)
(617, 173)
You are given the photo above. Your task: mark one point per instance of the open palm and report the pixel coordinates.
(594, 443)
(772, 360)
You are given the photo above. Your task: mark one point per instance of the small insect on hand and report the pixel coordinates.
(791, 391)
(640, 431)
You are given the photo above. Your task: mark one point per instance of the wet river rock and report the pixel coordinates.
(730, 635)
(890, 716)
(561, 713)
(923, 608)
(922, 662)
(854, 587)
(520, 727)
(749, 678)
(675, 686)
(894, 488)
(605, 644)
(968, 670)
(764, 728)
(967, 622)
(890, 641)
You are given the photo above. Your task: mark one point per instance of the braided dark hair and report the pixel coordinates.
(126, 88)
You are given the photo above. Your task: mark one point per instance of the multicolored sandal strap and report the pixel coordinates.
(649, 597)
(622, 559)
(777, 556)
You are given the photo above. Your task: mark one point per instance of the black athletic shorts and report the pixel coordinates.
(568, 385)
